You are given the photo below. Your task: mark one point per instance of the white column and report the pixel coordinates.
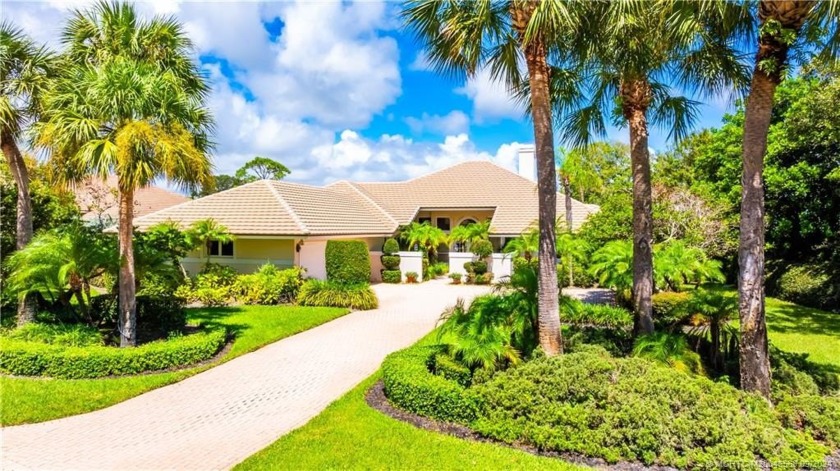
(501, 265)
(412, 262)
(457, 261)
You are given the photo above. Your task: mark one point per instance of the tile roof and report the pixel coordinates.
(270, 207)
(98, 198)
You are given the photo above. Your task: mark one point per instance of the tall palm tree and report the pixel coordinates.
(638, 53)
(783, 24)
(462, 37)
(129, 101)
(24, 71)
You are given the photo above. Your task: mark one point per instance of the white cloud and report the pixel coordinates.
(454, 122)
(491, 99)
(420, 62)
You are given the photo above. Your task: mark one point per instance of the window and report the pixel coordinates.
(424, 220)
(224, 249)
(443, 223)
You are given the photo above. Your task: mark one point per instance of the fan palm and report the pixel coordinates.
(676, 263)
(525, 246)
(130, 101)
(637, 54)
(423, 236)
(714, 309)
(24, 71)
(670, 350)
(571, 250)
(784, 25)
(462, 37)
(612, 265)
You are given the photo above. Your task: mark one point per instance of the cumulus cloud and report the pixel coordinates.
(454, 122)
(491, 100)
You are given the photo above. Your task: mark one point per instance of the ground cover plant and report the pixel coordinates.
(28, 400)
(358, 296)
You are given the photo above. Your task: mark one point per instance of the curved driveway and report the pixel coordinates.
(216, 419)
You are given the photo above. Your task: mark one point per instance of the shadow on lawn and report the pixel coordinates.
(215, 317)
(790, 318)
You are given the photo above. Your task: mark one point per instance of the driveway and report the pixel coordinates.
(218, 418)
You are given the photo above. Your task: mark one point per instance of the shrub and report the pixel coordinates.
(348, 261)
(391, 247)
(469, 267)
(482, 249)
(795, 374)
(669, 308)
(156, 316)
(412, 386)
(69, 335)
(808, 285)
(391, 276)
(411, 277)
(479, 267)
(632, 409)
(446, 366)
(818, 416)
(329, 293)
(438, 269)
(483, 278)
(214, 275)
(37, 359)
(390, 262)
(598, 315)
(456, 278)
(269, 285)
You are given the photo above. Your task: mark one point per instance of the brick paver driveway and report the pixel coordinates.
(218, 418)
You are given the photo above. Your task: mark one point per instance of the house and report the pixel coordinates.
(99, 201)
(289, 224)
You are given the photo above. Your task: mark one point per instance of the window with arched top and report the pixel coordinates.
(467, 222)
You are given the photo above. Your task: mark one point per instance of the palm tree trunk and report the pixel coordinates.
(127, 297)
(636, 96)
(26, 307)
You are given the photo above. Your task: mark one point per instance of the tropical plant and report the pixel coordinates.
(463, 236)
(675, 264)
(784, 27)
(464, 38)
(670, 350)
(130, 101)
(25, 68)
(571, 250)
(525, 246)
(633, 50)
(714, 310)
(612, 265)
(329, 293)
(423, 237)
(479, 336)
(60, 264)
(204, 232)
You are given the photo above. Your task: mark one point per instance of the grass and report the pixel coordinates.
(800, 329)
(31, 400)
(349, 434)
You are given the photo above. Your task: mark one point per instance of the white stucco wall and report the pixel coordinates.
(411, 261)
(501, 266)
(457, 261)
(313, 258)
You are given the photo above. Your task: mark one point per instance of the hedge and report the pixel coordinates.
(669, 307)
(391, 262)
(391, 276)
(391, 247)
(37, 359)
(348, 261)
(410, 385)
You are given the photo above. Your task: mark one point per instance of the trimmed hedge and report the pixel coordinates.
(390, 262)
(669, 307)
(598, 315)
(348, 261)
(412, 386)
(391, 276)
(327, 293)
(38, 359)
(391, 247)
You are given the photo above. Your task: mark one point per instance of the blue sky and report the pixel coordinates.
(333, 90)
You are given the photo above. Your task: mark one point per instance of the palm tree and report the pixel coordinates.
(612, 265)
(206, 231)
(24, 71)
(782, 24)
(467, 234)
(634, 49)
(575, 174)
(669, 350)
(129, 101)
(423, 236)
(676, 264)
(715, 309)
(525, 246)
(463, 37)
(571, 249)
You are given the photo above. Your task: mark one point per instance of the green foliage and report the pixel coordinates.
(809, 285)
(632, 409)
(480, 336)
(391, 276)
(329, 293)
(669, 307)
(598, 315)
(157, 317)
(795, 373)
(268, 285)
(37, 359)
(482, 249)
(412, 386)
(391, 247)
(675, 264)
(438, 269)
(464, 236)
(69, 335)
(711, 313)
(523, 247)
(456, 278)
(211, 287)
(201, 233)
(391, 262)
(423, 237)
(483, 278)
(670, 350)
(444, 365)
(348, 261)
(612, 264)
(411, 277)
(478, 267)
(572, 252)
(261, 168)
(818, 416)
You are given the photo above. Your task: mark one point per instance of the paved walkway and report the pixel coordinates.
(218, 418)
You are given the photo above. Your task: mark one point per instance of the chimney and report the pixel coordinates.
(527, 162)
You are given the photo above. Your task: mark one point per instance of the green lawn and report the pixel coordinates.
(800, 329)
(351, 435)
(30, 400)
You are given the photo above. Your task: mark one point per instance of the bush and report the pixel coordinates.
(348, 261)
(391, 247)
(411, 277)
(631, 409)
(269, 285)
(69, 335)
(456, 278)
(582, 277)
(446, 366)
(469, 267)
(483, 279)
(817, 416)
(598, 315)
(391, 276)
(669, 308)
(412, 386)
(482, 249)
(795, 374)
(438, 269)
(328, 293)
(214, 275)
(156, 316)
(37, 359)
(808, 285)
(479, 267)
(390, 262)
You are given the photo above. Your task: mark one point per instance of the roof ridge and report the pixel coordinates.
(286, 205)
(371, 201)
(193, 200)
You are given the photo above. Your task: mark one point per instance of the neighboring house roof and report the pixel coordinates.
(99, 199)
(270, 207)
